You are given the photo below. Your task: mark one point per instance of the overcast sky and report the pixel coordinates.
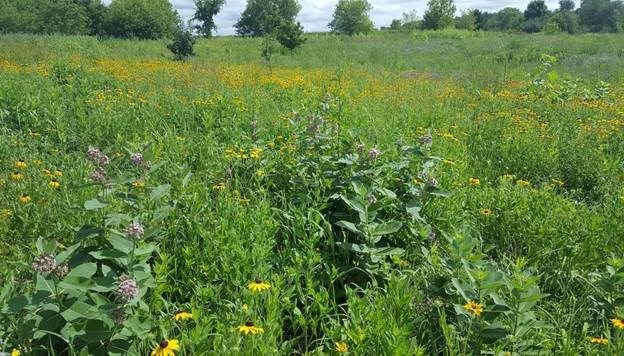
(316, 14)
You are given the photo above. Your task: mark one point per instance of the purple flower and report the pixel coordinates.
(127, 289)
(61, 271)
(433, 183)
(96, 156)
(136, 159)
(134, 231)
(360, 148)
(426, 139)
(99, 176)
(44, 263)
(373, 153)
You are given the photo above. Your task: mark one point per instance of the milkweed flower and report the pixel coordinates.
(599, 340)
(136, 159)
(96, 156)
(61, 271)
(21, 164)
(258, 286)
(474, 307)
(99, 176)
(127, 289)
(342, 347)
(134, 231)
(44, 263)
(182, 316)
(250, 328)
(166, 348)
(374, 153)
(618, 323)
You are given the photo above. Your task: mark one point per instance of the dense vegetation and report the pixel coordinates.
(439, 192)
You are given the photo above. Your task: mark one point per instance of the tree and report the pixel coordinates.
(205, 11)
(395, 24)
(536, 9)
(567, 21)
(507, 19)
(439, 14)
(566, 5)
(290, 35)
(143, 19)
(64, 17)
(602, 15)
(410, 21)
(182, 45)
(467, 21)
(95, 12)
(351, 17)
(263, 17)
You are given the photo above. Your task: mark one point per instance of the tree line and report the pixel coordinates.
(276, 19)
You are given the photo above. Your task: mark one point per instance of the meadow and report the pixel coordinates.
(433, 193)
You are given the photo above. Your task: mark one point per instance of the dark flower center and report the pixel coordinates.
(258, 280)
(249, 323)
(163, 344)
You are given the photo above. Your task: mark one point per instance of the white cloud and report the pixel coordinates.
(316, 14)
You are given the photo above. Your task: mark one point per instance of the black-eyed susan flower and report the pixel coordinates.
(21, 164)
(15, 352)
(508, 177)
(5, 213)
(54, 184)
(17, 176)
(342, 347)
(523, 183)
(255, 153)
(618, 323)
(486, 212)
(166, 348)
(182, 316)
(138, 184)
(218, 187)
(47, 173)
(474, 307)
(258, 286)
(250, 328)
(24, 198)
(58, 173)
(475, 182)
(599, 340)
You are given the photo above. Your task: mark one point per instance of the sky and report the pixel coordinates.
(316, 14)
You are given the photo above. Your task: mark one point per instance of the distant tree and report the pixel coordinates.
(410, 21)
(264, 17)
(182, 45)
(143, 19)
(567, 21)
(602, 15)
(96, 13)
(290, 35)
(566, 5)
(396, 24)
(439, 14)
(351, 17)
(205, 11)
(467, 21)
(507, 19)
(482, 18)
(64, 17)
(536, 9)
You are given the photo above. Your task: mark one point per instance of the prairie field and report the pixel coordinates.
(434, 193)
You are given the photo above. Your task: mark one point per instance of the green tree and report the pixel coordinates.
(602, 15)
(205, 11)
(467, 21)
(566, 5)
(536, 9)
(395, 24)
(264, 17)
(290, 35)
(507, 19)
(567, 21)
(351, 17)
(64, 17)
(96, 12)
(182, 45)
(144, 19)
(439, 14)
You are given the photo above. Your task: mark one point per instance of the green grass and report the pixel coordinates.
(543, 137)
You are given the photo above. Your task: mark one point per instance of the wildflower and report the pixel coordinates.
(557, 182)
(58, 173)
(44, 263)
(182, 316)
(475, 182)
(486, 212)
(25, 198)
(599, 340)
(449, 162)
(258, 286)
(260, 173)
(360, 148)
(15, 352)
(38, 162)
(166, 348)
(54, 184)
(47, 173)
(432, 183)
(426, 139)
(139, 184)
(474, 307)
(371, 199)
(118, 316)
(134, 231)
(523, 183)
(373, 153)
(342, 347)
(127, 288)
(255, 153)
(21, 164)
(136, 159)
(250, 328)
(508, 177)
(5, 213)
(60, 271)
(96, 156)
(245, 307)
(618, 323)
(99, 176)
(17, 176)
(218, 187)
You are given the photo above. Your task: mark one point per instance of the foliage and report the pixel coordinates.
(182, 45)
(205, 11)
(439, 14)
(290, 35)
(142, 19)
(351, 18)
(467, 21)
(262, 17)
(602, 15)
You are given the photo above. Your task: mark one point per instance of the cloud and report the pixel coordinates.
(316, 14)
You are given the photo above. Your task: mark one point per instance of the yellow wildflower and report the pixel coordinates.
(15, 352)
(260, 173)
(250, 328)
(508, 177)
(47, 173)
(475, 182)
(139, 184)
(342, 347)
(255, 153)
(599, 340)
(245, 307)
(17, 176)
(218, 187)
(5, 213)
(523, 183)
(58, 173)
(21, 164)
(182, 316)
(557, 182)
(618, 323)
(37, 162)
(166, 348)
(258, 286)
(54, 184)
(449, 162)
(486, 212)
(474, 307)
(25, 198)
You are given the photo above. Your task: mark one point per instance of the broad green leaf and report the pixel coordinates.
(121, 243)
(160, 191)
(97, 330)
(387, 228)
(94, 204)
(80, 310)
(88, 231)
(349, 226)
(63, 256)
